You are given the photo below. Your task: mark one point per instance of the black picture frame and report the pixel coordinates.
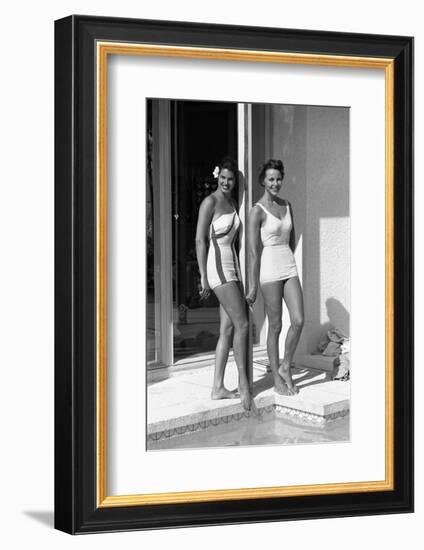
(76, 484)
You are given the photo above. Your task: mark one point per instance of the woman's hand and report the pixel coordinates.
(251, 296)
(253, 261)
(205, 289)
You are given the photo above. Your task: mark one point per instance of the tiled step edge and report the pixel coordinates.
(216, 420)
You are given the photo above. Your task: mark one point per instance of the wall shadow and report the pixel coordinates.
(338, 315)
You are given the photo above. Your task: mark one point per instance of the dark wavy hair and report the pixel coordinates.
(229, 164)
(268, 165)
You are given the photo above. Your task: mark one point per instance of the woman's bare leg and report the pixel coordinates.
(273, 298)
(232, 301)
(219, 391)
(293, 297)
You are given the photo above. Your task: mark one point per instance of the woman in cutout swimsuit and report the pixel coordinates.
(218, 225)
(271, 224)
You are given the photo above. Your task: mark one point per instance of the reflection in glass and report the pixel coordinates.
(195, 322)
(152, 332)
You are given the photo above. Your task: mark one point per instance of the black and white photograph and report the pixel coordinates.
(210, 316)
(248, 277)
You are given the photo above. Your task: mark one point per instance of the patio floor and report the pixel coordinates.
(182, 398)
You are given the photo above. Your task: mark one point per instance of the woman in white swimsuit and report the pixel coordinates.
(271, 224)
(218, 225)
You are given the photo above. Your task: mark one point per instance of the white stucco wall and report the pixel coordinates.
(326, 248)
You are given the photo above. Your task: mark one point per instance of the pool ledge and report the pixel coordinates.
(182, 404)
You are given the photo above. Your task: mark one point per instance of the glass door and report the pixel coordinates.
(203, 132)
(185, 140)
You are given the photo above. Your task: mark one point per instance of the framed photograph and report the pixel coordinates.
(234, 274)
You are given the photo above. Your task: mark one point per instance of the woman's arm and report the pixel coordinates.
(292, 242)
(204, 220)
(255, 220)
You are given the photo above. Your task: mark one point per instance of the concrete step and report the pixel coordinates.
(319, 362)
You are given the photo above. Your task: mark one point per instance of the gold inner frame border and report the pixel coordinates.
(103, 50)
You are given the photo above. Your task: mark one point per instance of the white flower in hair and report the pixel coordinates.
(216, 172)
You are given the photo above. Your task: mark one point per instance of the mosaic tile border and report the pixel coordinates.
(308, 417)
(280, 410)
(196, 426)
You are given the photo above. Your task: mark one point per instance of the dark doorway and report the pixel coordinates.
(203, 133)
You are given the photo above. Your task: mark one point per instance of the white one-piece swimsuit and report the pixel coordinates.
(222, 264)
(277, 260)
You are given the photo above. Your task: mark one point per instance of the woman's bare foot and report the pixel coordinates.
(285, 374)
(280, 386)
(223, 393)
(245, 398)
(253, 409)
(247, 401)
